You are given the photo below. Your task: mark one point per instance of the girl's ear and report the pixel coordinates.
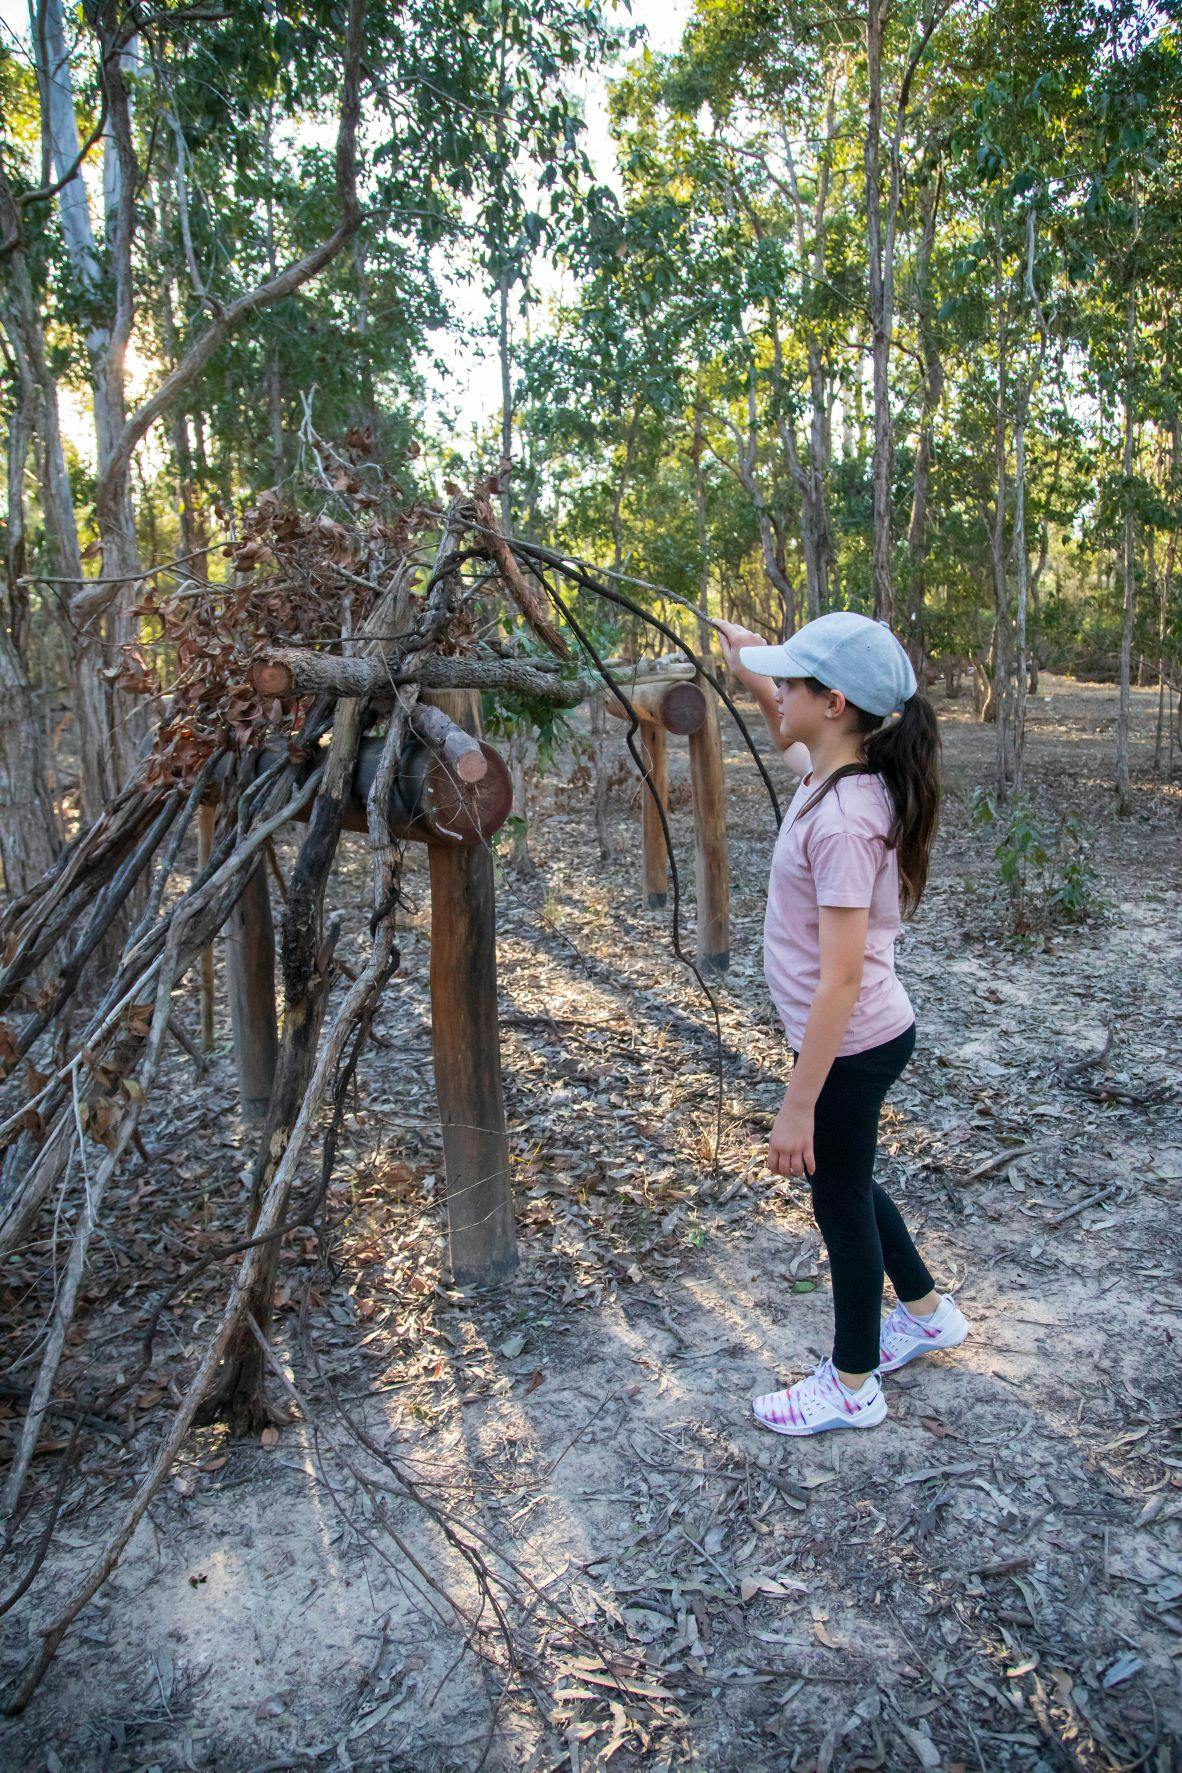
(837, 705)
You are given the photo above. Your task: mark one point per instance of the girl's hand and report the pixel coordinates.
(731, 638)
(790, 1152)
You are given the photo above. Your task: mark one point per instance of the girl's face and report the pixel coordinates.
(802, 712)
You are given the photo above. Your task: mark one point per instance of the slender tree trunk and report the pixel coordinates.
(1165, 600)
(102, 749)
(22, 323)
(1124, 788)
(1022, 564)
(368, 396)
(29, 840)
(506, 399)
(932, 371)
(598, 719)
(1003, 651)
(811, 482)
(748, 474)
(880, 271)
(700, 522)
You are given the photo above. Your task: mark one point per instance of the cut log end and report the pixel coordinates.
(683, 709)
(458, 750)
(271, 680)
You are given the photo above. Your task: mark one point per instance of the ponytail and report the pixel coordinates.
(906, 754)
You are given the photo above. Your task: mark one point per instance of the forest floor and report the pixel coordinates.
(990, 1580)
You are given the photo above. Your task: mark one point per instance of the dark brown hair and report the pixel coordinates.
(906, 755)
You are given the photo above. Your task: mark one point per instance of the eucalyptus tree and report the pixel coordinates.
(1128, 230)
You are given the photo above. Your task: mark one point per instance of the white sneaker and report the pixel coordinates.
(820, 1402)
(904, 1337)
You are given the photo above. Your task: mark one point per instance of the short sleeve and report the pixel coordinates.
(845, 866)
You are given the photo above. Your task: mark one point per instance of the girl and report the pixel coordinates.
(852, 853)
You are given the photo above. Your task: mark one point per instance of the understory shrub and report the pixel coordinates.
(1047, 875)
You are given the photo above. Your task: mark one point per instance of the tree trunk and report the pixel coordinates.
(1165, 602)
(748, 450)
(700, 519)
(1023, 567)
(506, 365)
(711, 870)
(1124, 788)
(932, 371)
(520, 859)
(103, 747)
(1003, 664)
(811, 481)
(29, 842)
(880, 271)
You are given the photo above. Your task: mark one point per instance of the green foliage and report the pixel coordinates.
(1048, 877)
(694, 388)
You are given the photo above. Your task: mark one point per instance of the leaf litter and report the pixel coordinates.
(719, 1598)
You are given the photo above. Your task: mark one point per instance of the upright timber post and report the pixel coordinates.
(466, 1045)
(250, 986)
(656, 788)
(662, 705)
(711, 870)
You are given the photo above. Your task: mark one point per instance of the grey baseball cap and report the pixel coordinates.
(845, 652)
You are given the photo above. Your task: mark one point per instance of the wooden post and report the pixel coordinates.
(711, 871)
(250, 986)
(655, 751)
(466, 1045)
(206, 817)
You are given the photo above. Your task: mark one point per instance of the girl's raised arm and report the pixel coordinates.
(731, 638)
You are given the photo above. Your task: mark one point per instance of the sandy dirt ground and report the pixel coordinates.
(539, 1529)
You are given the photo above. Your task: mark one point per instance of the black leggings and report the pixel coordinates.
(860, 1223)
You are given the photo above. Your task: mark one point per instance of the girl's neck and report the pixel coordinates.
(833, 751)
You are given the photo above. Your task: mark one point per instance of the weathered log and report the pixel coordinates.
(466, 1046)
(711, 870)
(458, 749)
(677, 707)
(296, 671)
(656, 859)
(430, 803)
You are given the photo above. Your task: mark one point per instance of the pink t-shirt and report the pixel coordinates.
(835, 855)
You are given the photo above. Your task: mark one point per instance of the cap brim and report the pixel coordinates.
(773, 661)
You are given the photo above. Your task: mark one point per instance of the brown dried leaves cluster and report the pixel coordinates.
(298, 579)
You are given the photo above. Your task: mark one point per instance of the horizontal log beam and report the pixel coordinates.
(297, 671)
(678, 707)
